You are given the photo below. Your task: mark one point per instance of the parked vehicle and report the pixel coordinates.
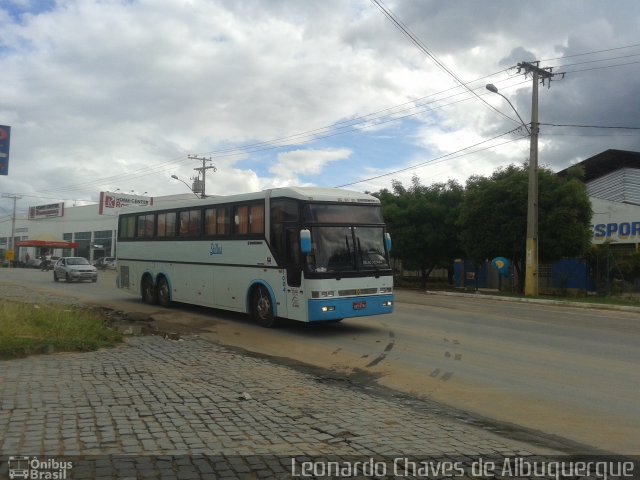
(104, 263)
(74, 269)
(34, 263)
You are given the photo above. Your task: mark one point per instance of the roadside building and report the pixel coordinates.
(90, 230)
(612, 179)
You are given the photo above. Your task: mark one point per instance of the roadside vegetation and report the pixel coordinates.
(487, 218)
(27, 329)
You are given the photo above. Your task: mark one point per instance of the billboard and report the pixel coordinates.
(5, 139)
(46, 211)
(111, 202)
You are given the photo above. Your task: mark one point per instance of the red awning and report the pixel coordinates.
(46, 241)
(46, 244)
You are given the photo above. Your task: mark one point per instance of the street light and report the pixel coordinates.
(531, 247)
(179, 179)
(492, 88)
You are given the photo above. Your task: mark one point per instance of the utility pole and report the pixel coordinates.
(202, 170)
(13, 227)
(531, 248)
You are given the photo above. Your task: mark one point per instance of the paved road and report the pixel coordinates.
(562, 371)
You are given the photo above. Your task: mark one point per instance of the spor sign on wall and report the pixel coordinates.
(615, 222)
(111, 202)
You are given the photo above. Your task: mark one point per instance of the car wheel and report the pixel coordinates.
(262, 307)
(164, 295)
(94, 280)
(55, 277)
(68, 278)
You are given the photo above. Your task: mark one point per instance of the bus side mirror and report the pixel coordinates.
(305, 241)
(387, 241)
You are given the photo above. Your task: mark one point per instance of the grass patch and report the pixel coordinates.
(599, 300)
(27, 329)
(591, 300)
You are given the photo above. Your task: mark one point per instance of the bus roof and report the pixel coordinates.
(301, 193)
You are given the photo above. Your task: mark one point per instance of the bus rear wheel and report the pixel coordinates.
(149, 293)
(262, 307)
(164, 296)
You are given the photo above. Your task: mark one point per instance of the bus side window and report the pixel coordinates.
(216, 221)
(127, 227)
(167, 224)
(146, 225)
(189, 223)
(249, 219)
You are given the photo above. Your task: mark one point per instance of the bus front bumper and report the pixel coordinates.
(328, 309)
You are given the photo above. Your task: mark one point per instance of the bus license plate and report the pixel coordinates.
(359, 305)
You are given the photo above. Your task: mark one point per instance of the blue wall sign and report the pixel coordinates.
(623, 229)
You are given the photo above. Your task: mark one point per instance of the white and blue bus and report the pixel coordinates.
(307, 254)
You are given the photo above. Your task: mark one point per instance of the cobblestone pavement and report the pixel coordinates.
(188, 400)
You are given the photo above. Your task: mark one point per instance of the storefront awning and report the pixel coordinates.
(46, 241)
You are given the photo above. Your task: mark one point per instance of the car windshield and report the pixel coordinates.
(77, 261)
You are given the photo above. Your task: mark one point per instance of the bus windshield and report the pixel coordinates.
(342, 249)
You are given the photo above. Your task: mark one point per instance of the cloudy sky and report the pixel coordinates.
(117, 94)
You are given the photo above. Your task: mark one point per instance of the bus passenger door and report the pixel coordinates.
(296, 307)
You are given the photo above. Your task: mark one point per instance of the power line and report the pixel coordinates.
(416, 41)
(591, 53)
(596, 61)
(602, 68)
(590, 126)
(347, 126)
(440, 158)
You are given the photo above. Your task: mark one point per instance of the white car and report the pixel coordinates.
(105, 263)
(74, 269)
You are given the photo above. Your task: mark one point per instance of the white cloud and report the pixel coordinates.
(291, 165)
(111, 94)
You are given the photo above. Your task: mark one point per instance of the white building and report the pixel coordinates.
(92, 227)
(612, 179)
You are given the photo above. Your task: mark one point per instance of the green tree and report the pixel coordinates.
(493, 216)
(422, 222)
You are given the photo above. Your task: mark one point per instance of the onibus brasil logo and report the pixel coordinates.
(34, 468)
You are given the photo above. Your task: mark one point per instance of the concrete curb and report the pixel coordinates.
(539, 301)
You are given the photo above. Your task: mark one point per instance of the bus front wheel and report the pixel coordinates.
(262, 307)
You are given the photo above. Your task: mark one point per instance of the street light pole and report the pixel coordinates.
(531, 253)
(531, 246)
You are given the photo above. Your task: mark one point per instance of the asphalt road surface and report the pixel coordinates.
(571, 373)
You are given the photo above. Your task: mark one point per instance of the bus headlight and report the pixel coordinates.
(327, 309)
(388, 303)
